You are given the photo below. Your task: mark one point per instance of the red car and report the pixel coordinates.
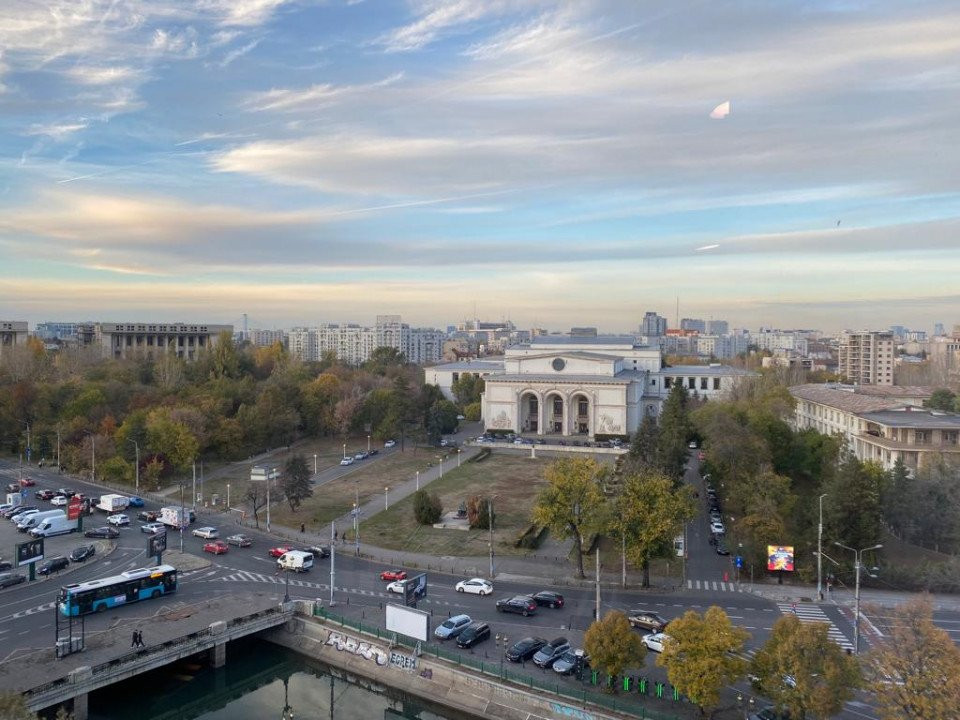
(217, 547)
(392, 575)
(27, 482)
(279, 551)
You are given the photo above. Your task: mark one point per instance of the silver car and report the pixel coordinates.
(452, 627)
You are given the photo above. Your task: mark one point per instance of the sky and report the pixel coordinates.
(551, 162)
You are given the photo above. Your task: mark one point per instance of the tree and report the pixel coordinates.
(650, 513)
(295, 482)
(676, 430)
(643, 449)
(383, 359)
(14, 707)
(612, 645)
(915, 669)
(803, 671)
(478, 513)
(941, 399)
(171, 439)
(256, 496)
(703, 655)
(572, 503)
(427, 507)
(854, 513)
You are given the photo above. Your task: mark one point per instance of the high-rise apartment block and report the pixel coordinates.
(866, 357)
(266, 338)
(717, 327)
(353, 344)
(693, 324)
(653, 325)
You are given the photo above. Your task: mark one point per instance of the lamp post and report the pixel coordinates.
(314, 463)
(344, 451)
(458, 457)
(490, 524)
(386, 498)
(136, 448)
(58, 450)
(368, 444)
(287, 712)
(857, 564)
(820, 550)
(418, 479)
(286, 590)
(356, 516)
(441, 467)
(228, 496)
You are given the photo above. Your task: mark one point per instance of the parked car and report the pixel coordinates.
(570, 662)
(390, 443)
(13, 487)
(27, 482)
(347, 461)
(136, 501)
(59, 500)
(207, 533)
(147, 516)
(53, 565)
(217, 547)
(549, 598)
(692, 445)
(452, 627)
(279, 551)
(770, 713)
(103, 532)
(319, 551)
(240, 540)
(655, 641)
(717, 528)
(646, 620)
(397, 586)
(388, 575)
(152, 528)
(472, 634)
(519, 604)
(118, 520)
(373, 451)
(12, 513)
(44, 494)
(8, 579)
(525, 649)
(5, 565)
(362, 455)
(548, 654)
(721, 548)
(82, 553)
(477, 586)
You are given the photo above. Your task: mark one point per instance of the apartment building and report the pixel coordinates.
(866, 357)
(12, 333)
(121, 340)
(266, 338)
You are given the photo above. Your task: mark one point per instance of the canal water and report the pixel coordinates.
(260, 680)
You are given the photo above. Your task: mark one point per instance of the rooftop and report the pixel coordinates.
(471, 366)
(714, 369)
(621, 378)
(895, 391)
(841, 399)
(629, 341)
(912, 418)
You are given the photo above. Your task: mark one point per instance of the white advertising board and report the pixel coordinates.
(409, 622)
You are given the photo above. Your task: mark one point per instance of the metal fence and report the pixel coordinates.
(636, 689)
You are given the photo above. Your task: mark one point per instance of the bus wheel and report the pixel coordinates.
(101, 608)
(155, 594)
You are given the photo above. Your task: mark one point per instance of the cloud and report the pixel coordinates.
(288, 99)
(57, 131)
(243, 12)
(239, 52)
(95, 75)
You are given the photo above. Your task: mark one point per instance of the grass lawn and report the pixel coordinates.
(515, 480)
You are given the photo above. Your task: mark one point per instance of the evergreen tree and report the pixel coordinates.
(296, 481)
(676, 430)
(643, 449)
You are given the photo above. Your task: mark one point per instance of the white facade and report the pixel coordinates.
(774, 340)
(302, 343)
(866, 357)
(266, 338)
(118, 340)
(445, 375)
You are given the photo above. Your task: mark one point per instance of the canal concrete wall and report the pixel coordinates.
(435, 680)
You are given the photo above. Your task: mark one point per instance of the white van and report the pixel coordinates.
(297, 560)
(34, 519)
(58, 525)
(22, 517)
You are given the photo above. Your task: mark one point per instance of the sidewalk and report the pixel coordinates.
(845, 596)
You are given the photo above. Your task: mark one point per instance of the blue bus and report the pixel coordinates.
(98, 595)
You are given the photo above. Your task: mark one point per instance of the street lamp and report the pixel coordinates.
(136, 448)
(228, 496)
(368, 444)
(458, 457)
(344, 451)
(820, 550)
(857, 563)
(93, 451)
(418, 479)
(386, 498)
(314, 463)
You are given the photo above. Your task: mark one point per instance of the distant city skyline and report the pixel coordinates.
(557, 163)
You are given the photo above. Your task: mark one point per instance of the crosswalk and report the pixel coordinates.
(714, 585)
(811, 613)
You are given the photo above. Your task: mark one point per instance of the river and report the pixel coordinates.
(259, 681)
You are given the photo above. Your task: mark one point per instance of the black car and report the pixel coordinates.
(103, 532)
(523, 650)
(472, 634)
(147, 516)
(5, 565)
(13, 512)
(44, 494)
(520, 604)
(53, 565)
(549, 598)
(546, 656)
(722, 548)
(319, 551)
(82, 553)
(8, 579)
(374, 451)
(647, 620)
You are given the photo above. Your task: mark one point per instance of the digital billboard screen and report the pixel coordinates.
(780, 557)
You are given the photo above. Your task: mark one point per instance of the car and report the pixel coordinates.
(44, 494)
(548, 654)
(217, 547)
(646, 620)
(53, 565)
(59, 500)
(279, 551)
(548, 598)
(477, 586)
(12, 513)
(147, 516)
(13, 487)
(525, 649)
(362, 455)
(519, 604)
(9, 579)
(692, 444)
(103, 532)
(715, 515)
(27, 482)
(397, 586)
(722, 548)
(5, 565)
(472, 634)
(390, 443)
(82, 553)
(451, 627)
(770, 713)
(118, 519)
(570, 662)
(393, 575)
(239, 540)
(717, 528)
(152, 528)
(347, 461)
(319, 551)
(373, 452)
(67, 492)
(207, 533)
(136, 501)
(655, 641)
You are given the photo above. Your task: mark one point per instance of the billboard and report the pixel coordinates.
(409, 622)
(780, 557)
(74, 508)
(157, 543)
(30, 551)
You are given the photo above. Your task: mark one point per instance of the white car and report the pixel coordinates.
(390, 443)
(362, 455)
(476, 586)
(207, 533)
(118, 520)
(59, 500)
(655, 641)
(347, 461)
(152, 528)
(397, 586)
(717, 528)
(461, 417)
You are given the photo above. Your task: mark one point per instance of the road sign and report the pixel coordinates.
(739, 561)
(157, 543)
(29, 552)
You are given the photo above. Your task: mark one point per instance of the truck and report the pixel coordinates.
(175, 516)
(112, 503)
(55, 525)
(14, 499)
(296, 560)
(34, 519)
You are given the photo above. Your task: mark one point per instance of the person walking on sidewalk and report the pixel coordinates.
(133, 639)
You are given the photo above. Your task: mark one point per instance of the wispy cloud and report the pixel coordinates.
(238, 52)
(286, 99)
(57, 131)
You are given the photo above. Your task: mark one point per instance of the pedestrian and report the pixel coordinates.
(793, 606)
(334, 537)
(140, 638)
(303, 528)
(133, 641)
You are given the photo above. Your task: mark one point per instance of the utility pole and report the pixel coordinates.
(598, 582)
(269, 473)
(183, 514)
(820, 551)
(333, 560)
(356, 516)
(623, 558)
(490, 524)
(136, 448)
(857, 564)
(194, 503)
